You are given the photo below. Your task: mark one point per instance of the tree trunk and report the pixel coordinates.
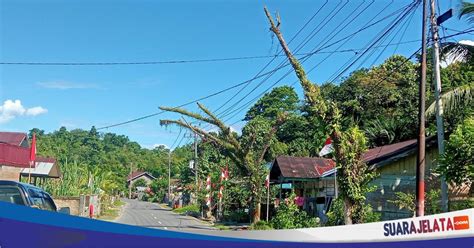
(256, 199)
(347, 212)
(256, 213)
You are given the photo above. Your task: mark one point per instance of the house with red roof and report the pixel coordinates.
(14, 160)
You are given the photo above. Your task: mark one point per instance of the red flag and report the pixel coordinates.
(226, 173)
(33, 150)
(327, 148)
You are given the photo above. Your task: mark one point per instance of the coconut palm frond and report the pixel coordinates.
(460, 96)
(467, 10)
(455, 51)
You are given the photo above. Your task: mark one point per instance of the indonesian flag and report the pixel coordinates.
(226, 173)
(208, 183)
(208, 200)
(327, 148)
(222, 175)
(267, 181)
(33, 150)
(221, 192)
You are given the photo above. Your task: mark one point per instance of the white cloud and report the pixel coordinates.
(158, 145)
(36, 111)
(151, 147)
(12, 109)
(63, 85)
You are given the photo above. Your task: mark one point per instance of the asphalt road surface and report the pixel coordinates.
(152, 215)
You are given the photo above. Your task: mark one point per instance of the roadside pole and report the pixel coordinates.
(420, 163)
(439, 104)
(196, 166)
(169, 176)
(268, 200)
(130, 183)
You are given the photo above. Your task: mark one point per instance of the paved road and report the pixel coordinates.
(146, 214)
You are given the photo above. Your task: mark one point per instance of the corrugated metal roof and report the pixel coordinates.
(12, 138)
(136, 174)
(300, 167)
(383, 151)
(312, 168)
(45, 167)
(14, 155)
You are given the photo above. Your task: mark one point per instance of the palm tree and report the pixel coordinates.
(467, 10)
(459, 50)
(462, 95)
(454, 99)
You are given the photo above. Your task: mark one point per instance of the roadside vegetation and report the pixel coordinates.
(371, 107)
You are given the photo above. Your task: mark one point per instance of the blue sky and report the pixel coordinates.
(49, 97)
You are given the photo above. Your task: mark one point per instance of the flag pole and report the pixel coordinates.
(32, 156)
(29, 173)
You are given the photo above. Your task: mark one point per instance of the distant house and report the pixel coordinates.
(395, 164)
(14, 138)
(137, 175)
(14, 160)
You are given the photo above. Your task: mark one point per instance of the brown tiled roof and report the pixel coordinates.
(12, 138)
(300, 167)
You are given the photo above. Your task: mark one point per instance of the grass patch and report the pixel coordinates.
(118, 203)
(187, 209)
(222, 227)
(113, 212)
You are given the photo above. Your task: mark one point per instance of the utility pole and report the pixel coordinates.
(196, 165)
(130, 183)
(439, 104)
(420, 163)
(169, 175)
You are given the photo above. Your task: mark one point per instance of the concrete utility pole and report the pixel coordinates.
(420, 163)
(196, 164)
(439, 104)
(169, 175)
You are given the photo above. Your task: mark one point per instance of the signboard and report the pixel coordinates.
(444, 17)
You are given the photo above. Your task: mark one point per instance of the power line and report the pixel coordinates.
(364, 27)
(384, 33)
(180, 130)
(317, 48)
(228, 111)
(190, 102)
(277, 55)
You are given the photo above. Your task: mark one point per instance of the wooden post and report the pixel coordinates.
(268, 200)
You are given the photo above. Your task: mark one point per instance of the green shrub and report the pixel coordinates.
(261, 225)
(288, 216)
(461, 205)
(237, 215)
(187, 209)
(336, 214)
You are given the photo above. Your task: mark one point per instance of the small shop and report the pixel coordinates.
(311, 179)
